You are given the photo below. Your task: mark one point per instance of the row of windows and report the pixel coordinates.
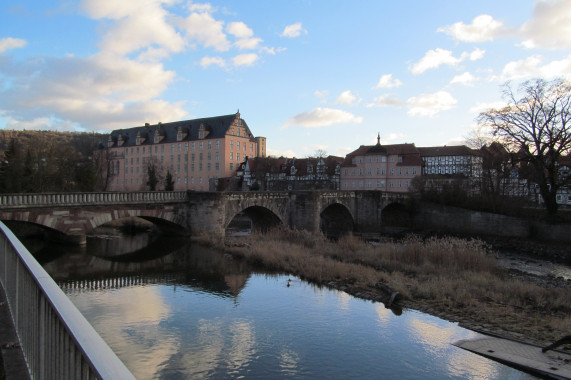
(179, 147)
(139, 181)
(376, 159)
(381, 171)
(135, 160)
(200, 167)
(379, 184)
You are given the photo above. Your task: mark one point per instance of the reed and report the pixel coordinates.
(448, 276)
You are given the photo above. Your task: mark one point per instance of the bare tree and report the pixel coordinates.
(536, 126)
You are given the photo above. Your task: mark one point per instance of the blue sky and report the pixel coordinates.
(306, 74)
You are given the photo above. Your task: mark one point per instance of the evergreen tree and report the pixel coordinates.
(169, 183)
(152, 176)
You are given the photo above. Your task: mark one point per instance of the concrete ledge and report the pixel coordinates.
(530, 358)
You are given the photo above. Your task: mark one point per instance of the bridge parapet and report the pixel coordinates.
(10, 201)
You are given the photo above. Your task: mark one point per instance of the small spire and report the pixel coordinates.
(379, 138)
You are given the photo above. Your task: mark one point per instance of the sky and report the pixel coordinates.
(308, 75)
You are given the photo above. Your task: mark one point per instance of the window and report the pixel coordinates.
(193, 146)
(217, 166)
(368, 171)
(201, 145)
(179, 147)
(210, 145)
(238, 157)
(217, 156)
(238, 143)
(200, 156)
(392, 171)
(231, 156)
(209, 156)
(232, 143)
(172, 148)
(413, 170)
(217, 144)
(231, 166)
(200, 180)
(383, 159)
(186, 150)
(252, 148)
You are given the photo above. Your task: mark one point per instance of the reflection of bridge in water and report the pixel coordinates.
(191, 265)
(75, 215)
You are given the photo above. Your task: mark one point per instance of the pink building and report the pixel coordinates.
(194, 152)
(381, 167)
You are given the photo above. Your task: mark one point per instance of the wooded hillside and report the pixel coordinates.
(48, 161)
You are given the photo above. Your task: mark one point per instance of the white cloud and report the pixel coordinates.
(100, 92)
(483, 28)
(294, 30)
(322, 117)
(207, 61)
(387, 81)
(347, 98)
(481, 107)
(477, 54)
(550, 26)
(248, 43)
(531, 67)
(137, 25)
(386, 100)
(394, 137)
(465, 79)
(434, 58)
(206, 30)
(282, 153)
(245, 59)
(239, 30)
(321, 94)
(11, 43)
(430, 104)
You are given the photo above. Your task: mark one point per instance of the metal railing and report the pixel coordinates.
(77, 199)
(57, 341)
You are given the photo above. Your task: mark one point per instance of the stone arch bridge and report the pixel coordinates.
(76, 214)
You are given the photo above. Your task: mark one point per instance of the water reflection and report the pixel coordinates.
(195, 313)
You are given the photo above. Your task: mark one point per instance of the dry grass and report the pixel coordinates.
(452, 277)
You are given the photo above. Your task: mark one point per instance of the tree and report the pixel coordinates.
(169, 183)
(537, 128)
(152, 176)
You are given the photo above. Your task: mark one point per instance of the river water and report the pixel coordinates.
(174, 310)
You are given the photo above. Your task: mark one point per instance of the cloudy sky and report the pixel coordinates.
(306, 74)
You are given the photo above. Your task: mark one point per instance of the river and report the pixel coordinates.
(175, 310)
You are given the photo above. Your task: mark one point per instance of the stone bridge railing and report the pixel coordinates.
(8, 201)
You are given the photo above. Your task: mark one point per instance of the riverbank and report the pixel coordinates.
(459, 280)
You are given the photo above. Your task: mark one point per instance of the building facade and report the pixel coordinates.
(381, 167)
(444, 165)
(193, 152)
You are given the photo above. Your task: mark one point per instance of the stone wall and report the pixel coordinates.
(462, 221)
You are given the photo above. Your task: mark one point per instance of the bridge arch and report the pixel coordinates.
(336, 220)
(261, 218)
(396, 214)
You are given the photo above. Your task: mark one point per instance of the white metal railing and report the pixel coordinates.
(57, 341)
(78, 199)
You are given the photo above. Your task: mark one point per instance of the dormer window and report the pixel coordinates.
(110, 141)
(179, 134)
(120, 140)
(201, 131)
(138, 139)
(156, 137)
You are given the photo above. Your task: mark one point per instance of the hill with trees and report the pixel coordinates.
(49, 161)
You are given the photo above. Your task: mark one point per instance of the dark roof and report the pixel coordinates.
(216, 127)
(457, 150)
(408, 152)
